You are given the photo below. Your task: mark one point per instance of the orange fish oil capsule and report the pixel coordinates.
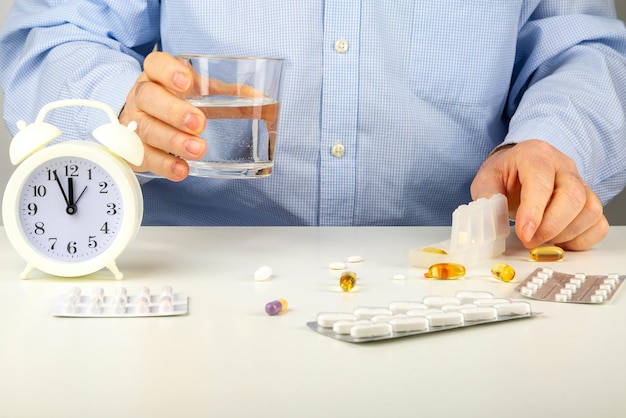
(445, 271)
(547, 253)
(347, 281)
(503, 272)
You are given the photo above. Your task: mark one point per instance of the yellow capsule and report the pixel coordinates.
(449, 271)
(347, 281)
(503, 272)
(434, 250)
(547, 253)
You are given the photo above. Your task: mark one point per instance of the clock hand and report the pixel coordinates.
(71, 206)
(81, 195)
(56, 178)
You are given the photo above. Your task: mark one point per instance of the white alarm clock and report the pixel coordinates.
(71, 208)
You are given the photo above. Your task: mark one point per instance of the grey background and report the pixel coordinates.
(615, 211)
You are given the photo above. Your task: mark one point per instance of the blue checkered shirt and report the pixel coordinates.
(418, 93)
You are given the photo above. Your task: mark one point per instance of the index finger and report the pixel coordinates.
(166, 70)
(537, 185)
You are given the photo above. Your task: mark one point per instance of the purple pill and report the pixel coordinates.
(276, 306)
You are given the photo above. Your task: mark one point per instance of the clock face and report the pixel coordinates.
(70, 209)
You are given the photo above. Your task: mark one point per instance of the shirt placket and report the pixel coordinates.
(339, 112)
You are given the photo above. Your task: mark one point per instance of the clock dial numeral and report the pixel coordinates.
(71, 170)
(39, 230)
(112, 209)
(71, 247)
(38, 191)
(31, 209)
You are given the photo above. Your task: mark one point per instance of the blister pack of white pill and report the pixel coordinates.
(408, 318)
(118, 304)
(549, 285)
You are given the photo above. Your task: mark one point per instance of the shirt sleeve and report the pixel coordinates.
(569, 88)
(60, 49)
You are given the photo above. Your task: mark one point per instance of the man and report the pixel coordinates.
(434, 103)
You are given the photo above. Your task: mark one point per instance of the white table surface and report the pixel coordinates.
(227, 358)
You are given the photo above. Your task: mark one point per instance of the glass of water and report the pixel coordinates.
(240, 98)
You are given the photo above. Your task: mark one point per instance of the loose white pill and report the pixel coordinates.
(263, 273)
(439, 301)
(328, 319)
(370, 330)
(479, 313)
(399, 277)
(368, 313)
(442, 319)
(336, 265)
(398, 307)
(513, 308)
(355, 259)
(409, 324)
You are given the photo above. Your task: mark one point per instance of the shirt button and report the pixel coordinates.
(341, 46)
(338, 150)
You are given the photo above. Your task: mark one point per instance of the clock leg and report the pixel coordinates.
(26, 271)
(116, 272)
